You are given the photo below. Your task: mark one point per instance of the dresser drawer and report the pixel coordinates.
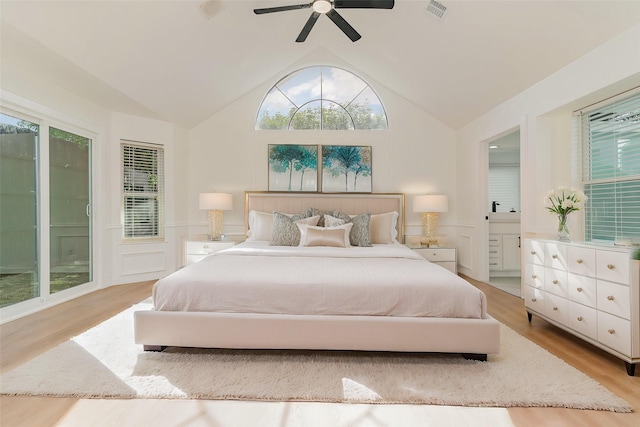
(556, 308)
(582, 289)
(583, 319)
(534, 252)
(555, 281)
(581, 261)
(534, 299)
(614, 332)
(534, 275)
(613, 298)
(555, 256)
(613, 266)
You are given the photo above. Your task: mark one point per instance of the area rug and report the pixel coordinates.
(104, 362)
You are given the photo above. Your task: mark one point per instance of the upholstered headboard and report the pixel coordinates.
(375, 203)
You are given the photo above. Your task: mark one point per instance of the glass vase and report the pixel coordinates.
(563, 229)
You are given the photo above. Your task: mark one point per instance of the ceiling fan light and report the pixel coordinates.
(321, 6)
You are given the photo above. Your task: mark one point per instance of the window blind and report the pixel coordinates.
(504, 188)
(611, 170)
(142, 191)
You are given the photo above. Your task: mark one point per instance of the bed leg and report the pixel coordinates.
(154, 347)
(529, 316)
(475, 356)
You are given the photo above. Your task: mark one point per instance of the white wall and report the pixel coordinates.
(544, 115)
(415, 156)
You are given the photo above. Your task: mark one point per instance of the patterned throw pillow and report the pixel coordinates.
(285, 230)
(321, 213)
(359, 235)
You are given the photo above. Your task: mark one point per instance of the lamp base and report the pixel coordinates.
(215, 225)
(429, 229)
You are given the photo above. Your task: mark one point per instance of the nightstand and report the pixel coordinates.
(445, 257)
(195, 250)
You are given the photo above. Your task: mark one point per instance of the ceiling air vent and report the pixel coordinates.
(436, 8)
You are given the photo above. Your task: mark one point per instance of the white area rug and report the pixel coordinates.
(104, 362)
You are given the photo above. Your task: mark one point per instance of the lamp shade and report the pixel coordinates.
(216, 201)
(431, 203)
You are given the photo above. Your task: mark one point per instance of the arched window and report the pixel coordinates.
(321, 97)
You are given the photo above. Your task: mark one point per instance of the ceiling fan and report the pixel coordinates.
(328, 7)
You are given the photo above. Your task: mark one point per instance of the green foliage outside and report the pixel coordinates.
(28, 127)
(333, 117)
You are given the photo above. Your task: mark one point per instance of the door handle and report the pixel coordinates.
(88, 210)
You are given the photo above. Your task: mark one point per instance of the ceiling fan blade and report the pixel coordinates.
(343, 25)
(364, 4)
(281, 8)
(307, 27)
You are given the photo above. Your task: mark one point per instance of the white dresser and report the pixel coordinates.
(445, 257)
(588, 290)
(195, 250)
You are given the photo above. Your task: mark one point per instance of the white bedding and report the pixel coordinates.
(383, 280)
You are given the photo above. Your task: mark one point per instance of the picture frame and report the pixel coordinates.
(293, 167)
(346, 169)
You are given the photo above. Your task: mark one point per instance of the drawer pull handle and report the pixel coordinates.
(579, 289)
(534, 276)
(555, 282)
(611, 266)
(555, 308)
(612, 331)
(610, 297)
(580, 318)
(554, 256)
(533, 252)
(579, 261)
(534, 299)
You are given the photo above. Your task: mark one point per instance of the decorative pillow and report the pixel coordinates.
(359, 235)
(260, 225)
(285, 231)
(325, 236)
(382, 228)
(314, 212)
(330, 221)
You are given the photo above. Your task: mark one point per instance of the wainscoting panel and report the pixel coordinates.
(143, 263)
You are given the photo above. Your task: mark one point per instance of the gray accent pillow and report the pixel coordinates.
(285, 230)
(314, 212)
(360, 235)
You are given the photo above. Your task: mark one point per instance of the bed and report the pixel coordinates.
(347, 284)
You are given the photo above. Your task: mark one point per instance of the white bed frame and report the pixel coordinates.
(473, 338)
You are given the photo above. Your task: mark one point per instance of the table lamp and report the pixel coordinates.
(430, 205)
(215, 203)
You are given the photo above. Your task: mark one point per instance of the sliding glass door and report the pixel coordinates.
(45, 210)
(19, 260)
(69, 212)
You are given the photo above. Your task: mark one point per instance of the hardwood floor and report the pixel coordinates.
(24, 338)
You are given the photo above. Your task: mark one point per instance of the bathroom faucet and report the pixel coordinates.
(494, 206)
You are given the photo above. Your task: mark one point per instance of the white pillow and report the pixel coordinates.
(325, 236)
(382, 228)
(260, 225)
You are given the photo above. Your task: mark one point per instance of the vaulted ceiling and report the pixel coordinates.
(185, 60)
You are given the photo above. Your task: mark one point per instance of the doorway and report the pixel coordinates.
(503, 207)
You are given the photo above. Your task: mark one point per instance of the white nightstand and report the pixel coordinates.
(195, 250)
(445, 257)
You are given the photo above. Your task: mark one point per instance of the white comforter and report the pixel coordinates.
(383, 280)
